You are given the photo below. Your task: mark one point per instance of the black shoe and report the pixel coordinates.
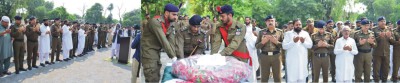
(22, 69)
(16, 72)
(1, 75)
(384, 80)
(59, 60)
(66, 59)
(47, 62)
(333, 80)
(29, 68)
(53, 63)
(98, 47)
(7, 73)
(41, 64)
(35, 66)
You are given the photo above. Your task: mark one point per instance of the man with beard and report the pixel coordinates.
(44, 47)
(296, 43)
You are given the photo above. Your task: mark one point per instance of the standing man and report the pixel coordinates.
(269, 42)
(56, 32)
(381, 55)
(81, 41)
(251, 38)
(75, 28)
(44, 48)
(5, 46)
(296, 43)
(345, 49)
(101, 33)
(329, 28)
(17, 32)
(32, 34)
(154, 39)
(66, 40)
(115, 45)
(194, 39)
(322, 43)
(396, 54)
(365, 42)
(232, 32)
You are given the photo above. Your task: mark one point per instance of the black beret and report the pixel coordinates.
(171, 8)
(56, 19)
(86, 23)
(358, 21)
(381, 18)
(363, 22)
(17, 17)
(320, 24)
(195, 20)
(398, 22)
(45, 19)
(347, 22)
(269, 17)
(32, 18)
(329, 21)
(224, 9)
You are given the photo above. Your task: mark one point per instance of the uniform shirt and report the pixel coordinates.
(32, 35)
(18, 36)
(325, 37)
(360, 35)
(382, 48)
(191, 41)
(54, 30)
(269, 46)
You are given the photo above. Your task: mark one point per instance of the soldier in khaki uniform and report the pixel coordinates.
(332, 56)
(322, 43)
(154, 38)
(269, 42)
(193, 38)
(75, 29)
(87, 31)
(363, 60)
(102, 36)
(17, 32)
(92, 33)
(384, 39)
(32, 33)
(56, 32)
(396, 54)
(232, 32)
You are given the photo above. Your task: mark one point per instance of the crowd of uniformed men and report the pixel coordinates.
(348, 51)
(51, 37)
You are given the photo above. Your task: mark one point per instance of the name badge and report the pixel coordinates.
(270, 53)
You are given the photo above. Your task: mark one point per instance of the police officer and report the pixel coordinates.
(269, 42)
(396, 54)
(56, 32)
(322, 43)
(75, 28)
(193, 38)
(154, 38)
(384, 39)
(17, 32)
(232, 32)
(365, 42)
(32, 33)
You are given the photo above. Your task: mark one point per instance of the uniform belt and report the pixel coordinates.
(364, 50)
(32, 40)
(270, 53)
(56, 36)
(19, 40)
(321, 54)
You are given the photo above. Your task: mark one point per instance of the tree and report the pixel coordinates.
(93, 14)
(132, 17)
(60, 12)
(9, 7)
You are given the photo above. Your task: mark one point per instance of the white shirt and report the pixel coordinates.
(66, 38)
(44, 39)
(296, 57)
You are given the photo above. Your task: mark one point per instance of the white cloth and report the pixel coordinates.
(344, 59)
(43, 57)
(115, 46)
(250, 43)
(44, 40)
(296, 58)
(81, 41)
(66, 41)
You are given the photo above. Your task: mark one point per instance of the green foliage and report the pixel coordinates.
(94, 14)
(131, 18)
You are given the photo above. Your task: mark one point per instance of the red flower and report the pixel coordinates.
(219, 9)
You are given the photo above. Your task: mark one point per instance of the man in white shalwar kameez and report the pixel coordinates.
(250, 43)
(115, 44)
(44, 43)
(296, 43)
(345, 49)
(81, 41)
(66, 40)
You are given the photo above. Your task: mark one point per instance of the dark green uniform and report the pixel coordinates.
(381, 54)
(396, 54)
(363, 60)
(18, 46)
(101, 36)
(153, 40)
(74, 41)
(87, 31)
(321, 55)
(191, 41)
(32, 33)
(55, 42)
(270, 55)
(92, 34)
(234, 42)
